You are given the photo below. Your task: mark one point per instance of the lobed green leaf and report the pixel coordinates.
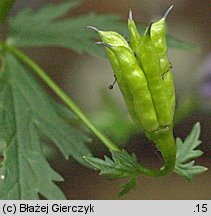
(187, 151)
(26, 113)
(122, 165)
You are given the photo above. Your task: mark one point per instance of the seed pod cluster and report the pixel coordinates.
(143, 73)
(142, 70)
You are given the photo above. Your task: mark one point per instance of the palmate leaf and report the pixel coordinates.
(186, 151)
(26, 113)
(42, 28)
(122, 165)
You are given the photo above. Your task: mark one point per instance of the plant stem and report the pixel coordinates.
(20, 55)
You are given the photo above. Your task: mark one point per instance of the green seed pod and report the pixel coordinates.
(138, 87)
(157, 33)
(158, 36)
(151, 66)
(139, 69)
(149, 61)
(134, 34)
(115, 39)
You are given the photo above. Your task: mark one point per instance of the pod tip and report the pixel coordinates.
(92, 27)
(130, 14)
(104, 44)
(168, 11)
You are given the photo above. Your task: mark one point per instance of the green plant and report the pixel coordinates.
(27, 113)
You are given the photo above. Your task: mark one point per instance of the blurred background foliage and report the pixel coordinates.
(86, 78)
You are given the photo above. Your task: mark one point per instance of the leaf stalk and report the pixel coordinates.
(62, 95)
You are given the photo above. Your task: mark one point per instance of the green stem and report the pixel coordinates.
(108, 143)
(165, 142)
